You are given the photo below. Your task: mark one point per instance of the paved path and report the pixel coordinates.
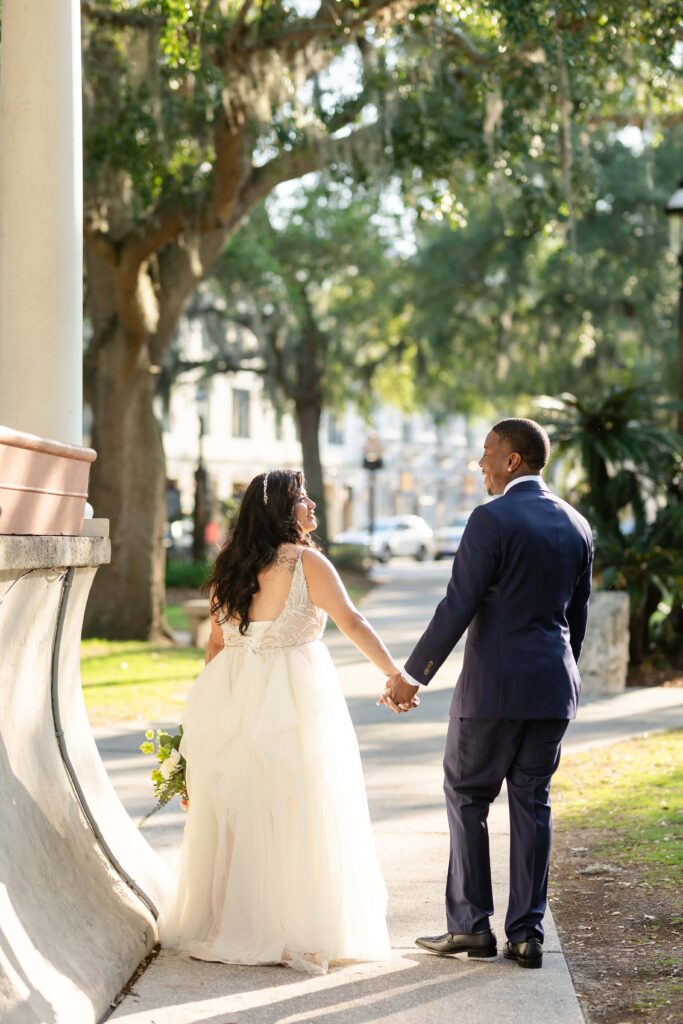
(402, 759)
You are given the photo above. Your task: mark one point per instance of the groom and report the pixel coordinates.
(521, 581)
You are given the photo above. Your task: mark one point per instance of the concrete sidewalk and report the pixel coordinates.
(402, 759)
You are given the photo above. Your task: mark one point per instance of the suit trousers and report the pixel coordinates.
(481, 753)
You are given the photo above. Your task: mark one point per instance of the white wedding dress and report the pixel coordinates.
(278, 863)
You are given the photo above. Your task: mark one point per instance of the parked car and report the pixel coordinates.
(393, 535)
(447, 538)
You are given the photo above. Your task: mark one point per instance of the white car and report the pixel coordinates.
(393, 535)
(179, 535)
(447, 538)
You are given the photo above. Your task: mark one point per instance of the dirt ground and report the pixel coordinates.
(623, 940)
(647, 675)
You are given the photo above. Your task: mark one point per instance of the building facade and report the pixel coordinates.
(429, 469)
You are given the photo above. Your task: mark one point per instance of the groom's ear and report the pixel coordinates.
(514, 461)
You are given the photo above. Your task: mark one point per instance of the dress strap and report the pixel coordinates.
(298, 592)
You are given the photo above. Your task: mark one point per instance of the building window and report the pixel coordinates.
(335, 429)
(241, 413)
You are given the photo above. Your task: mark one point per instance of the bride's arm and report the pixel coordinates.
(215, 642)
(327, 591)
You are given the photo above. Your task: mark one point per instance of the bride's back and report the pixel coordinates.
(275, 583)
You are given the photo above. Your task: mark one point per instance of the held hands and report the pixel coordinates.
(399, 695)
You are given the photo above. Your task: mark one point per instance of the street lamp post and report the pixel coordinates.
(372, 461)
(200, 482)
(674, 211)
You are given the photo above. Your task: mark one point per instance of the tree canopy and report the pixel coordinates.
(499, 313)
(195, 110)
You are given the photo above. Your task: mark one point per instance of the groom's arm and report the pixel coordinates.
(577, 612)
(474, 569)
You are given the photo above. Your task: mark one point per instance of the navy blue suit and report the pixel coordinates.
(521, 582)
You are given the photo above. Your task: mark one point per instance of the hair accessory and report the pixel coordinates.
(265, 489)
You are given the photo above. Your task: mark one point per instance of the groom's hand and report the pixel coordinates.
(399, 695)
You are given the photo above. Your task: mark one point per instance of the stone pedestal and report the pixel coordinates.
(79, 886)
(199, 620)
(604, 658)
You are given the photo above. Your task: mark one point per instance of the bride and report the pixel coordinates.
(278, 863)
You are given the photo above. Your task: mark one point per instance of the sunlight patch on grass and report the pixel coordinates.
(133, 680)
(633, 792)
(176, 617)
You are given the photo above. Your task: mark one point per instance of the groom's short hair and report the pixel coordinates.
(528, 439)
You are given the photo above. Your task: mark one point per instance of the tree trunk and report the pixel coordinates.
(639, 624)
(141, 275)
(128, 479)
(308, 414)
(675, 623)
(128, 487)
(133, 322)
(637, 636)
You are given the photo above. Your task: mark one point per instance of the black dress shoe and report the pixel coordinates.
(527, 954)
(476, 944)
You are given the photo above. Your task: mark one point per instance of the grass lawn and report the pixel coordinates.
(176, 617)
(617, 878)
(132, 680)
(633, 792)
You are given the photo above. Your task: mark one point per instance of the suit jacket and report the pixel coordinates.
(521, 582)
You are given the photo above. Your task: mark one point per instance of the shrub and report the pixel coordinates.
(630, 471)
(187, 575)
(351, 557)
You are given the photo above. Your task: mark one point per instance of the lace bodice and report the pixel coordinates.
(299, 622)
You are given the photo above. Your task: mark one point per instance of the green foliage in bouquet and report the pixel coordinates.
(169, 778)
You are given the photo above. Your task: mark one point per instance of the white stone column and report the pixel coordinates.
(41, 212)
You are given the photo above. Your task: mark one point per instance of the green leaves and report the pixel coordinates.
(630, 470)
(176, 38)
(509, 305)
(323, 256)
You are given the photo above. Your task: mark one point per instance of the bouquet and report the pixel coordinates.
(169, 778)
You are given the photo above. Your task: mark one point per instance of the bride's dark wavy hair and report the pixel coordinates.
(266, 519)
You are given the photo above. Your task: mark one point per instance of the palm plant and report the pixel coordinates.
(622, 468)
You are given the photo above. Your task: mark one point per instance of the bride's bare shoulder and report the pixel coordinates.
(286, 558)
(316, 562)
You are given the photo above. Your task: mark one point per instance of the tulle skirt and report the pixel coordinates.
(278, 861)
